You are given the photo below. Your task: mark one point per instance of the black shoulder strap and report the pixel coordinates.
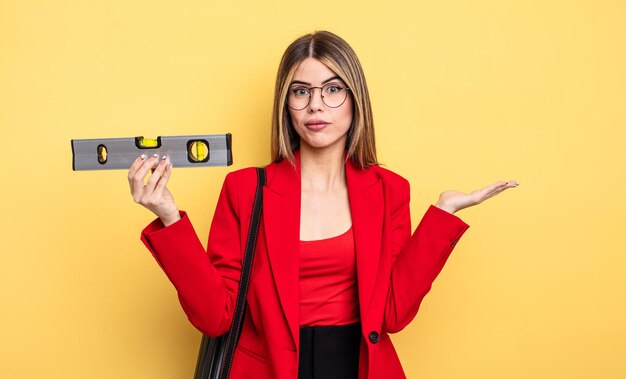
(240, 309)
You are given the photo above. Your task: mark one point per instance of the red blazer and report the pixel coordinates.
(395, 269)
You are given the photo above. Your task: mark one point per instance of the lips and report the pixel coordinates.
(316, 124)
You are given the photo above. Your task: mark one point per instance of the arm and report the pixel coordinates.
(206, 283)
(417, 259)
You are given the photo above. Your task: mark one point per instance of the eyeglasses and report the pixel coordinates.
(333, 95)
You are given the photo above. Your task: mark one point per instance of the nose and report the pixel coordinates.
(315, 102)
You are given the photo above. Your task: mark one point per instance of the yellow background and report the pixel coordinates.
(465, 93)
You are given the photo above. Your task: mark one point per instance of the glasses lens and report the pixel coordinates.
(334, 94)
(298, 98)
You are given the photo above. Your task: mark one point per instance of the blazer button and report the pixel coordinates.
(374, 337)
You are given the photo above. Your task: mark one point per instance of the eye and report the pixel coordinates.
(300, 91)
(333, 88)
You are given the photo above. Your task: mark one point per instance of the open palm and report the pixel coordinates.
(453, 201)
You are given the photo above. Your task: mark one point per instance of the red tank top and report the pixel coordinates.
(328, 286)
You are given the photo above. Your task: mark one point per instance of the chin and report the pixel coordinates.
(319, 144)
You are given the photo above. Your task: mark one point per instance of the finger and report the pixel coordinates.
(160, 177)
(492, 194)
(507, 185)
(155, 178)
(481, 194)
(135, 166)
(510, 184)
(139, 176)
(160, 187)
(494, 187)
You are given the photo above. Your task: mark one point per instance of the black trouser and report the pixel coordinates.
(329, 352)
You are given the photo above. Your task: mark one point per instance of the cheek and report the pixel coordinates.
(293, 116)
(348, 112)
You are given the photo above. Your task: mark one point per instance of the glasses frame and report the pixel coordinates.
(310, 89)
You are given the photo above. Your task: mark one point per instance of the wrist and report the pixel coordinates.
(170, 219)
(445, 207)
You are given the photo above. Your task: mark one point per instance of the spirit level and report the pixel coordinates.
(183, 151)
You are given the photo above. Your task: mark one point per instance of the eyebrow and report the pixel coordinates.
(308, 84)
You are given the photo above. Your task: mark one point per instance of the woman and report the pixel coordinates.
(336, 268)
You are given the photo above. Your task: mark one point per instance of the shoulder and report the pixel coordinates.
(248, 176)
(393, 185)
(239, 188)
(387, 174)
(389, 177)
(241, 177)
(243, 181)
(396, 188)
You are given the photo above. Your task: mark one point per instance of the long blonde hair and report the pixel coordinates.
(338, 56)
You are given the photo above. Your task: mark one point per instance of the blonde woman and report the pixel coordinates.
(337, 267)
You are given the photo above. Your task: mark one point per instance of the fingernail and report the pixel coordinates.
(164, 157)
(169, 166)
(154, 155)
(142, 156)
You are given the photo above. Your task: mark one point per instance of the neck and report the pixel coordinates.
(322, 169)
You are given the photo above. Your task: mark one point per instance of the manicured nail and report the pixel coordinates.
(169, 166)
(164, 157)
(154, 155)
(142, 156)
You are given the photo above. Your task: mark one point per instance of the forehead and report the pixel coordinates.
(312, 71)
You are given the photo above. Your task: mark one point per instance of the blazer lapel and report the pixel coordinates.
(281, 217)
(365, 193)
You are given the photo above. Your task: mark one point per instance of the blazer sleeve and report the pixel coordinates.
(206, 282)
(418, 258)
